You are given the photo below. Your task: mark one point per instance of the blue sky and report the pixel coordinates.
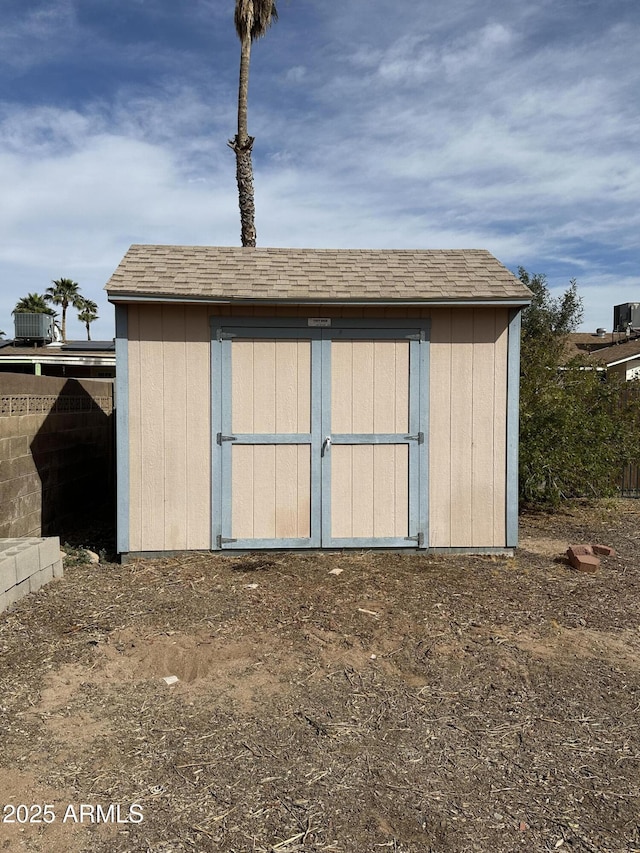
(449, 124)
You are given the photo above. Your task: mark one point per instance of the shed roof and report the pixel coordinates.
(229, 274)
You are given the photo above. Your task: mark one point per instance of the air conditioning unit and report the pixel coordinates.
(34, 327)
(625, 315)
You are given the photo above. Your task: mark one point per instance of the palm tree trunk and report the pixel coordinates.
(242, 145)
(64, 324)
(88, 332)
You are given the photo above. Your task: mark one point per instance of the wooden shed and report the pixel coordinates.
(305, 398)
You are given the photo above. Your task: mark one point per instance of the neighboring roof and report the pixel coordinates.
(226, 274)
(614, 348)
(102, 352)
(618, 353)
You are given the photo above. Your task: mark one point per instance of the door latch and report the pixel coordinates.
(326, 444)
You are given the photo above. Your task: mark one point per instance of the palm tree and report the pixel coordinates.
(252, 19)
(87, 314)
(33, 303)
(64, 292)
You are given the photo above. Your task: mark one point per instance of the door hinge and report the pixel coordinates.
(222, 540)
(419, 539)
(220, 438)
(416, 336)
(419, 437)
(221, 335)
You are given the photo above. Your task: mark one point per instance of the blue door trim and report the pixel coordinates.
(122, 430)
(224, 330)
(513, 426)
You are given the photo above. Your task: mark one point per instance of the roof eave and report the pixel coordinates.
(506, 302)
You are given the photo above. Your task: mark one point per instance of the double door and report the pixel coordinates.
(320, 437)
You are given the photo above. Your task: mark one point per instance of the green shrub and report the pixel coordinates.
(578, 428)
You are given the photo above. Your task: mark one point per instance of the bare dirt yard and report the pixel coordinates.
(353, 702)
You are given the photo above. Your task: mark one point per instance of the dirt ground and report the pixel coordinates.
(330, 702)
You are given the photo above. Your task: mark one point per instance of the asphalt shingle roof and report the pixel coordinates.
(235, 273)
(614, 347)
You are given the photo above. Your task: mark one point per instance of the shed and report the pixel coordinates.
(307, 398)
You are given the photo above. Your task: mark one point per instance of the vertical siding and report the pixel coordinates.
(271, 484)
(198, 383)
(440, 430)
(271, 386)
(152, 439)
(369, 394)
(176, 440)
(271, 491)
(369, 490)
(369, 386)
(169, 437)
(482, 428)
(461, 425)
(467, 449)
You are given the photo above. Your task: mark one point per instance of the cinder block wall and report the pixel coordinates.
(56, 451)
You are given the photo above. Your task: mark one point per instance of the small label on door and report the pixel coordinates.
(319, 321)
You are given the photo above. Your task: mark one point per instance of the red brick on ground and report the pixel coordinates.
(603, 550)
(581, 549)
(581, 558)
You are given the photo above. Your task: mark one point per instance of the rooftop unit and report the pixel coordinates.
(34, 327)
(626, 316)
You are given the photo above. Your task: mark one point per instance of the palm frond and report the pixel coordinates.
(254, 17)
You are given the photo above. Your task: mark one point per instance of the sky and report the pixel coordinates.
(512, 127)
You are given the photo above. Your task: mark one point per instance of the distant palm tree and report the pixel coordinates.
(33, 303)
(87, 314)
(64, 292)
(252, 19)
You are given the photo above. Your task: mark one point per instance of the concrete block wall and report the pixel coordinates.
(56, 451)
(26, 565)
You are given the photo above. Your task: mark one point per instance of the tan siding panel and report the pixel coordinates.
(135, 430)
(264, 388)
(304, 386)
(461, 426)
(401, 386)
(362, 503)
(198, 401)
(363, 386)
(482, 420)
(293, 386)
(286, 386)
(242, 497)
(271, 491)
(369, 490)
(242, 386)
(152, 428)
(440, 430)
(174, 397)
(341, 491)
(341, 386)
(390, 490)
(264, 491)
(293, 491)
